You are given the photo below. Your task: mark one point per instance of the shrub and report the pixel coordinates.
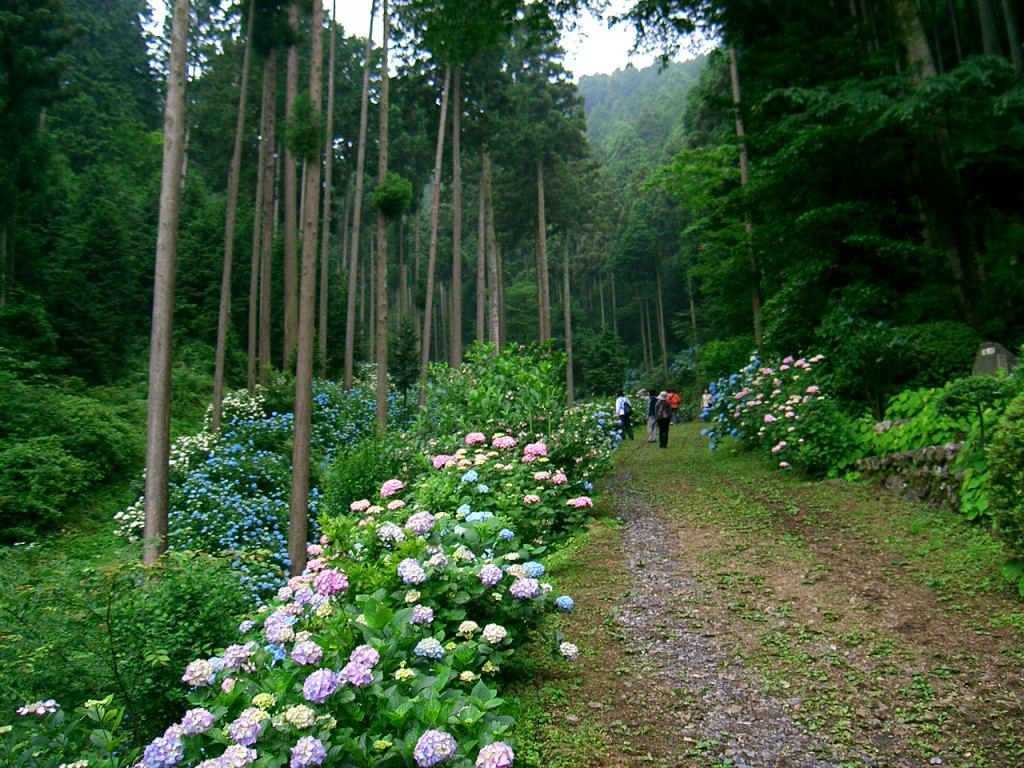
(938, 352)
(1006, 479)
(39, 481)
(720, 358)
(125, 629)
(359, 472)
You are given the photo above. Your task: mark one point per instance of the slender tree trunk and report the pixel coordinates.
(493, 273)
(254, 263)
(661, 326)
(567, 320)
(989, 28)
(325, 248)
(342, 264)
(456, 319)
(291, 218)
(357, 211)
(604, 323)
(643, 338)
(158, 418)
(382, 234)
(481, 266)
(755, 278)
(543, 289)
(955, 25)
(231, 209)
(298, 520)
(402, 276)
(615, 310)
(435, 207)
(693, 327)
(1013, 36)
(269, 211)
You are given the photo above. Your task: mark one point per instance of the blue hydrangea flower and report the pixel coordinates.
(566, 603)
(471, 476)
(429, 648)
(483, 488)
(505, 534)
(463, 510)
(477, 517)
(534, 569)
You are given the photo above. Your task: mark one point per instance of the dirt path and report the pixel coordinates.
(739, 617)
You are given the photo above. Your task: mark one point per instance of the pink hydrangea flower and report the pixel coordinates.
(314, 550)
(440, 460)
(359, 506)
(475, 437)
(496, 755)
(503, 441)
(558, 478)
(531, 498)
(391, 487)
(330, 582)
(536, 449)
(813, 389)
(768, 418)
(542, 475)
(580, 501)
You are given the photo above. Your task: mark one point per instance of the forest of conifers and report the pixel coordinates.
(841, 178)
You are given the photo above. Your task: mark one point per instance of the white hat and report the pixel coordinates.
(663, 396)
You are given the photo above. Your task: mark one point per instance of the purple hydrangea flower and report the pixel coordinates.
(319, 686)
(307, 652)
(356, 674)
(490, 575)
(308, 751)
(524, 589)
(421, 522)
(196, 721)
(433, 748)
(163, 753)
(365, 654)
(47, 707)
(496, 755)
(330, 582)
(247, 727)
(429, 648)
(506, 534)
(235, 656)
(199, 673)
(422, 614)
(411, 572)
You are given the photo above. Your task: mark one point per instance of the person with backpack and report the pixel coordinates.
(674, 401)
(663, 415)
(624, 413)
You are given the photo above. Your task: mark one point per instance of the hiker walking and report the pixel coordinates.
(663, 414)
(624, 413)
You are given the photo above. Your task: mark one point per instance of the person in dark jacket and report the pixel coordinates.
(663, 415)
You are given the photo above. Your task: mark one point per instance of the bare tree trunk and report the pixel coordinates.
(493, 274)
(567, 318)
(615, 311)
(604, 323)
(269, 210)
(435, 207)
(989, 28)
(402, 272)
(755, 279)
(298, 519)
(661, 326)
(254, 264)
(382, 235)
(346, 232)
(357, 212)
(325, 249)
(158, 418)
(291, 219)
(231, 209)
(693, 327)
(643, 337)
(543, 289)
(456, 318)
(481, 266)
(1013, 35)
(956, 31)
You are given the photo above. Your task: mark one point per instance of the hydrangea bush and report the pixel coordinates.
(230, 491)
(782, 410)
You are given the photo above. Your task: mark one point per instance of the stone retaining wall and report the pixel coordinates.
(922, 475)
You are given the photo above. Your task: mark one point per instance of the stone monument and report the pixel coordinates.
(993, 357)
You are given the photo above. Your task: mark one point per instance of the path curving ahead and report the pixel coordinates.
(738, 616)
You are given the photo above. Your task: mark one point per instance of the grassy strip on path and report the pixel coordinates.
(881, 627)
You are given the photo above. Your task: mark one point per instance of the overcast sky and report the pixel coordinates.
(593, 49)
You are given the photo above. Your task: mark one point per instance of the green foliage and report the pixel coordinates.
(1006, 479)
(519, 389)
(359, 472)
(127, 629)
(914, 420)
(39, 482)
(392, 196)
(971, 397)
(304, 132)
(723, 356)
(938, 352)
(404, 356)
(599, 363)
